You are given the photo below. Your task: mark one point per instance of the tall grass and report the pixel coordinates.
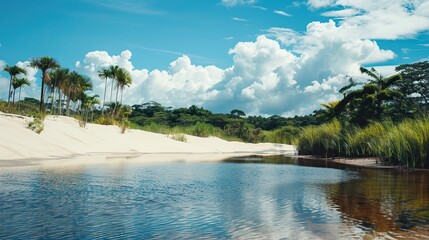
(321, 140)
(406, 143)
(286, 135)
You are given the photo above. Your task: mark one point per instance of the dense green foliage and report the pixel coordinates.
(382, 117)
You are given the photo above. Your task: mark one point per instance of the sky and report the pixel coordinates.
(264, 57)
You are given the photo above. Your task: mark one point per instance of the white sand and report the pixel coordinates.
(63, 142)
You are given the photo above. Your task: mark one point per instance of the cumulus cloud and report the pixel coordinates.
(233, 3)
(183, 84)
(265, 77)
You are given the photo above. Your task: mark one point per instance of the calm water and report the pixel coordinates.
(212, 201)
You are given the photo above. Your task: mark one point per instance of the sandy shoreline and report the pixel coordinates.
(64, 142)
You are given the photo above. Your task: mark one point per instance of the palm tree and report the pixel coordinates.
(112, 71)
(74, 88)
(57, 83)
(367, 103)
(329, 111)
(13, 71)
(44, 64)
(123, 78)
(88, 103)
(18, 83)
(71, 89)
(104, 74)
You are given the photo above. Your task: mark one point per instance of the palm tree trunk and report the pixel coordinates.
(111, 90)
(19, 99)
(13, 99)
(122, 94)
(53, 101)
(60, 105)
(42, 96)
(8, 92)
(104, 98)
(68, 106)
(116, 101)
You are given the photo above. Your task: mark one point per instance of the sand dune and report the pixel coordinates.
(63, 141)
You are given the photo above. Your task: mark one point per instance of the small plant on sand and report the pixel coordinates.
(178, 137)
(82, 122)
(124, 124)
(36, 125)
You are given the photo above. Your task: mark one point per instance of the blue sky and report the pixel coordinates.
(262, 56)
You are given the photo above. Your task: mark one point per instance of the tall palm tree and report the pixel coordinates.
(367, 103)
(112, 71)
(58, 78)
(104, 74)
(74, 88)
(123, 78)
(71, 89)
(18, 83)
(13, 71)
(44, 64)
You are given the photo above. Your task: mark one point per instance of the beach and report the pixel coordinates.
(64, 142)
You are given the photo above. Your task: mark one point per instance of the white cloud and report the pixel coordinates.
(260, 8)
(30, 71)
(425, 45)
(233, 3)
(383, 19)
(228, 38)
(284, 35)
(320, 3)
(331, 83)
(341, 13)
(239, 19)
(183, 84)
(265, 78)
(282, 13)
(285, 72)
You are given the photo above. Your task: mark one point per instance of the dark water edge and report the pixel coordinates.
(392, 200)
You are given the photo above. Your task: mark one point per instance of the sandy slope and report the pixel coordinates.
(64, 142)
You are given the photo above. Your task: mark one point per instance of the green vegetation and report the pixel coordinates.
(384, 117)
(406, 143)
(37, 124)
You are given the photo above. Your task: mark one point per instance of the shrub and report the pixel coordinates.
(105, 120)
(36, 125)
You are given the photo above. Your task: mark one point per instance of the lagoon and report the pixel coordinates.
(254, 198)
